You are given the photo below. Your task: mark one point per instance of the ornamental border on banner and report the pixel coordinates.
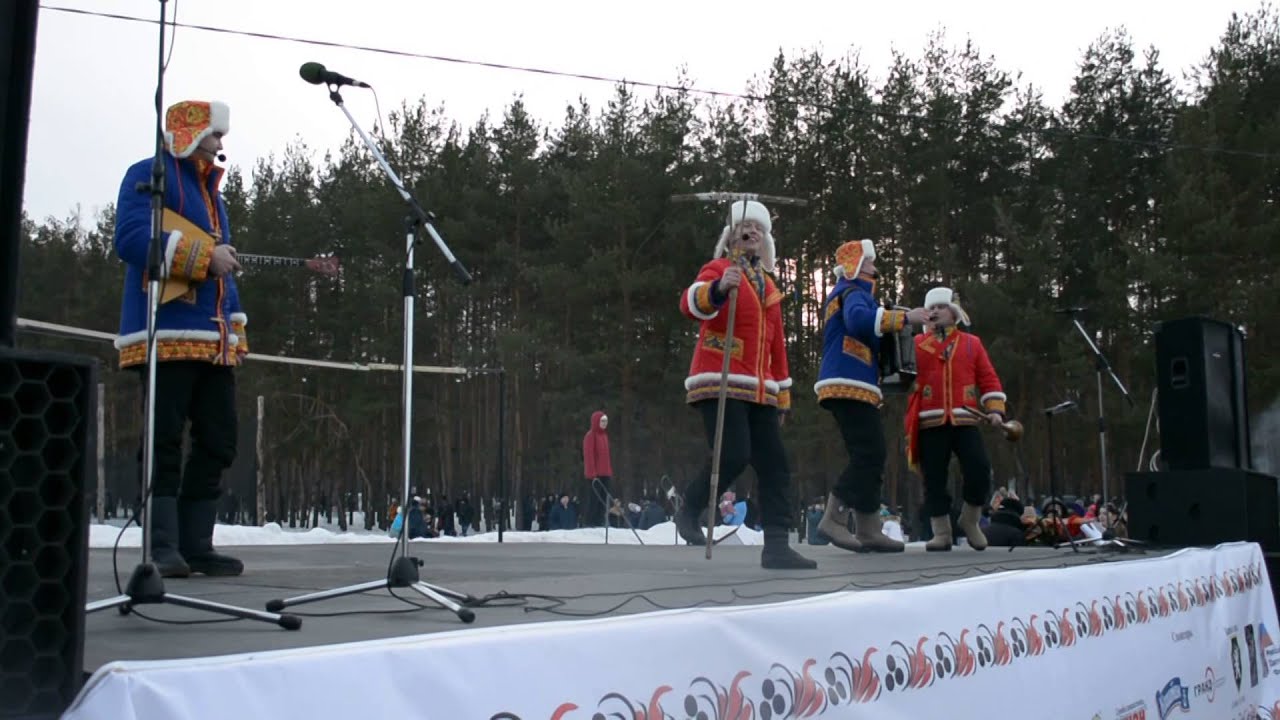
(816, 688)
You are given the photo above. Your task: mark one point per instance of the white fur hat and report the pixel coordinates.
(946, 296)
(750, 210)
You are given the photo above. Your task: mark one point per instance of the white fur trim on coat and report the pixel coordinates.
(691, 296)
(240, 318)
(175, 237)
(992, 396)
(133, 338)
(829, 382)
(734, 379)
(784, 384)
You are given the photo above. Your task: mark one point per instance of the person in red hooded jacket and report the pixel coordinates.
(597, 467)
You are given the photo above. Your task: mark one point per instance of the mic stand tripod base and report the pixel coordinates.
(146, 587)
(403, 573)
(1101, 545)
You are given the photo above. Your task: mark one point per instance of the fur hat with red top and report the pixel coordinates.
(851, 256)
(189, 122)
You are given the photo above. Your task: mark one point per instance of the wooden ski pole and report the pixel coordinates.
(719, 441)
(723, 398)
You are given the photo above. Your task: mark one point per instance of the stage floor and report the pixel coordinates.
(588, 580)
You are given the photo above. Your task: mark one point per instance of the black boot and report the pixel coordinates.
(778, 555)
(164, 538)
(689, 528)
(196, 519)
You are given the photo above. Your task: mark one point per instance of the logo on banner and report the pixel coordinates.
(1173, 695)
(1237, 664)
(1252, 647)
(1181, 636)
(1208, 688)
(1133, 711)
(1269, 650)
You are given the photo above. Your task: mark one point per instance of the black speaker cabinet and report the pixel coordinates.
(1204, 507)
(1203, 405)
(47, 451)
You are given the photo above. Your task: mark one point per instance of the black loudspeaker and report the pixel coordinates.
(1204, 414)
(1204, 507)
(17, 62)
(47, 451)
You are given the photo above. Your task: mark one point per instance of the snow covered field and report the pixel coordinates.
(104, 536)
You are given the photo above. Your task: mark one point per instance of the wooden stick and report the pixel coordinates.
(719, 441)
(260, 490)
(735, 196)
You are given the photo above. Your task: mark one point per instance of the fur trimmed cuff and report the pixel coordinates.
(889, 321)
(994, 402)
(242, 344)
(701, 303)
(190, 258)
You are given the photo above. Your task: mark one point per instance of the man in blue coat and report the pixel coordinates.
(849, 388)
(200, 335)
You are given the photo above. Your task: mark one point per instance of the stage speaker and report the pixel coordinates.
(1204, 507)
(17, 63)
(47, 451)
(1204, 414)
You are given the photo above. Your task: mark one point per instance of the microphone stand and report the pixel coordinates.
(1101, 365)
(1054, 500)
(402, 572)
(146, 586)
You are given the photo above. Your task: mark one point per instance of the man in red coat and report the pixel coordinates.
(956, 390)
(759, 383)
(596, 466)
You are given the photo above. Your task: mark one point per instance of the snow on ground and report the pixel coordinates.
(104, 536)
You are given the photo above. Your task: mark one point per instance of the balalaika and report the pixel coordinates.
(898, 358)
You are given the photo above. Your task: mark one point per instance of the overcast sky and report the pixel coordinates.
(92, 108)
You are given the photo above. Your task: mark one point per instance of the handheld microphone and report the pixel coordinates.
(317, 74)
(222, 158)
(1060, 407)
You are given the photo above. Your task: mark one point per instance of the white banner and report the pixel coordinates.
(1190, 635)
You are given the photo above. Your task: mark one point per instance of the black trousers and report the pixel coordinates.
(937, 445)
(862, 429)
(205, 395)
(751, 436)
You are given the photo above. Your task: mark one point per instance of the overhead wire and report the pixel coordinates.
(723, 94)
